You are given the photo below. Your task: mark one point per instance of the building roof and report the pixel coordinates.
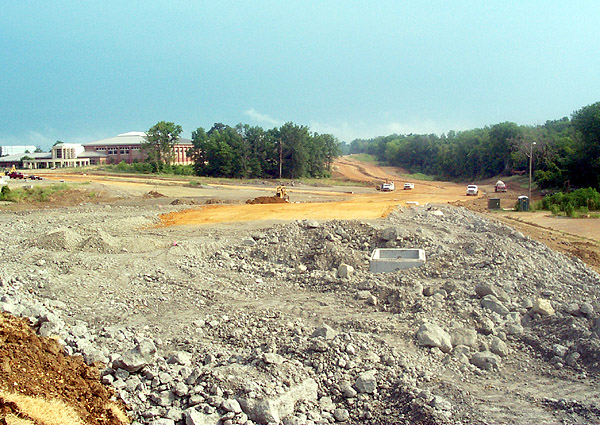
(122, 139)
(18, 156)
(131, 138)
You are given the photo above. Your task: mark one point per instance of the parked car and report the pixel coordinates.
(34, 177)
(409, 186)
(472, 189)
(500, 186)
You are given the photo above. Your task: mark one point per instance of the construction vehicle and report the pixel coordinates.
(388, 186)
(12, 170)
(281, 193)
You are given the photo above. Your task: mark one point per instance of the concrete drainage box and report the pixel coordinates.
(385, 260)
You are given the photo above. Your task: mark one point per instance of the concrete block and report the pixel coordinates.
(385, 260)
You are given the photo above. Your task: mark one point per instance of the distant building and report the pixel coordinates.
(61, 155)
(14, 150)
(127, 147)
(124, 147)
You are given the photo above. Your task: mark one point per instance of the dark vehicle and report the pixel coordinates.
(34, 177)
(16, 175)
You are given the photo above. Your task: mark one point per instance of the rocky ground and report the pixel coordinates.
(257, 323)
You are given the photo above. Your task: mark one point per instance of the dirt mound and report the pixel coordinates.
(63, 239)
(153, 194)
(267, 200)
(33, 366)
(101, 242)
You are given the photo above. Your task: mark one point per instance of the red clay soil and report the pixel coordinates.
(36, 367)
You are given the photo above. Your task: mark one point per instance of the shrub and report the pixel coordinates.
(581, 198)
(569, 209)
(5, 193)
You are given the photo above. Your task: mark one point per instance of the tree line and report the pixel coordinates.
(290, 151)
(564, 152)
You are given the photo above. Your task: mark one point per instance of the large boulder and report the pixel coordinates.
(366, 382)
(265, 410)
(492, 303)
(431, 335)
(543, 307)
(486, 360)
(138, 357)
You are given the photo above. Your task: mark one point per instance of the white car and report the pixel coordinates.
(409, 186)
(472, 189)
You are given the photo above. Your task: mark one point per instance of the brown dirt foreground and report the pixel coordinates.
(32, 366)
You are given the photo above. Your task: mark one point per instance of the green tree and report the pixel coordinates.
(586, 122)
(332, 148)
(498, 152)
(293, 148)
(160, 143)
(198, 153)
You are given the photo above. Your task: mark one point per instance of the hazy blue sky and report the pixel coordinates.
(78, 71)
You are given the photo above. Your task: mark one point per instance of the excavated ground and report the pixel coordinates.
(196, 270)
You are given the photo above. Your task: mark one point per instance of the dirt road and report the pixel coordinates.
(306, 202)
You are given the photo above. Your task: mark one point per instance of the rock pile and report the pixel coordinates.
(287, 324)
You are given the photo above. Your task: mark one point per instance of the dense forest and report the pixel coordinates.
(564, 152)
(290, 151)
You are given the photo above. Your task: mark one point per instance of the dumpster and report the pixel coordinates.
(523, 203)
(494, 204)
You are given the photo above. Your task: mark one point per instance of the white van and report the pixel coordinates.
(472, 189)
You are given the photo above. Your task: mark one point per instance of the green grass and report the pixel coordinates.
(419, 176)
(332, 182)
(35, 194)
(364, 157)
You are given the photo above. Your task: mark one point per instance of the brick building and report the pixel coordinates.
(127, 147)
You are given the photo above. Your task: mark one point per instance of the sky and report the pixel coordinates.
(79, 71)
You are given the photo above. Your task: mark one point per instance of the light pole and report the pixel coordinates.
(530, 166)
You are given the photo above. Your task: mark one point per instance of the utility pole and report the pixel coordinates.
(280, 157)
(530, 167)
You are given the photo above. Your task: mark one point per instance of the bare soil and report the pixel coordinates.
(46, 381)
(36, 367)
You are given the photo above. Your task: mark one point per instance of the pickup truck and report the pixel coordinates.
(500, 186)
(16, 175)
(388, 187)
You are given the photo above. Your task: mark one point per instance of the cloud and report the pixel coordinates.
(262, 118)
(45, 139)
(30, 137)
(382, 126)
(346, 131)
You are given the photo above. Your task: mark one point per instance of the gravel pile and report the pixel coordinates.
(285, 324)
